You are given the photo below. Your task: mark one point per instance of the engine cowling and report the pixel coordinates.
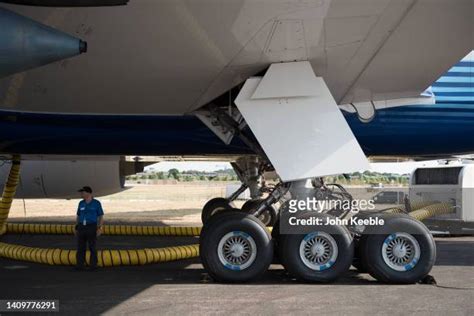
(60, 179)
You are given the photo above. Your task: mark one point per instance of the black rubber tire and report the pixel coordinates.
(219, 225)
(276, 237)
(213, 206)
(371, 254)
(269, 216)
(288, 249)
(276, 231)
(356, 261)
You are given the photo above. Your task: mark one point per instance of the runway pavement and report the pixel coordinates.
(184, 288)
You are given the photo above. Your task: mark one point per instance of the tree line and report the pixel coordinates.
(367, 177)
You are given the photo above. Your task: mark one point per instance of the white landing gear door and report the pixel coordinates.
(298, 124)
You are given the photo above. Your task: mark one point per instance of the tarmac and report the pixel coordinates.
(183, 287)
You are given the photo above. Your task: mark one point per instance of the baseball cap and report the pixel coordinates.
(85, 189)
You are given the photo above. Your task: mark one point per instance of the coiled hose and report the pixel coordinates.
(124, 230)
(432, 210)
(422, 210)
(9, 192)
(401, 209)
(106, 258)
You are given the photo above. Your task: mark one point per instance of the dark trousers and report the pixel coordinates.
(86, 235)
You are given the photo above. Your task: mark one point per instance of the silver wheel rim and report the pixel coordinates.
(318, 251)
(401, 251)
(237, 250)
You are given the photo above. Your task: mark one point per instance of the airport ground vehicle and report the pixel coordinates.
(389, 197)
(449, 182)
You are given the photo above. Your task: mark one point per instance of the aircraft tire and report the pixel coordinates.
(214, 206)
(402, 251)
(321, 256)
(356, 261)
(235, 247)
(268, 217)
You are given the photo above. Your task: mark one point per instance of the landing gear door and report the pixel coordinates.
(298, 124)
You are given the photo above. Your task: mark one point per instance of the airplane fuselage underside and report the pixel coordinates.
(173, 57)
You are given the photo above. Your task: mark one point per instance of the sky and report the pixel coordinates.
(400, 167)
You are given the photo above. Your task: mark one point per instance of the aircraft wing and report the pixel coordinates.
(406, 47)
(367, 50)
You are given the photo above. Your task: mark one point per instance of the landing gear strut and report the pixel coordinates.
(250, 172)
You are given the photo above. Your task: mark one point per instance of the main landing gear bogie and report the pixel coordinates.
(238, 247)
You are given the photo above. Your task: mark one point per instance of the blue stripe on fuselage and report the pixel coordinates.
(416, 130)
(421, 130)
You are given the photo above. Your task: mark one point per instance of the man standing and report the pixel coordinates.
(89, 221)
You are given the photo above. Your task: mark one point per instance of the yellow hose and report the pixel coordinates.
(422, 210)
(432, 210)
(396, 210)
(125, 230)
(416, 205)
(400, 209)
(106, 258)
(9, 192)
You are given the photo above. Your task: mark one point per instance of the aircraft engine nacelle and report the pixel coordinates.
(60, 179)
(27, 44)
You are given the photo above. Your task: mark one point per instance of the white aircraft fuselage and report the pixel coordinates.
(174, 56)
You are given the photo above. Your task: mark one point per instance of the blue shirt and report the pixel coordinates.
(89, 212)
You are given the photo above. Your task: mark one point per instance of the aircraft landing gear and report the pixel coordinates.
(216, 205)
(235, 247)
(401, 251)
(249, 170)
(238, 247)
(268, 216)
(321, 256)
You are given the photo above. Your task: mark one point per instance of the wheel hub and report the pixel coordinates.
(401, 251)
(318, 251)
(237, 250)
